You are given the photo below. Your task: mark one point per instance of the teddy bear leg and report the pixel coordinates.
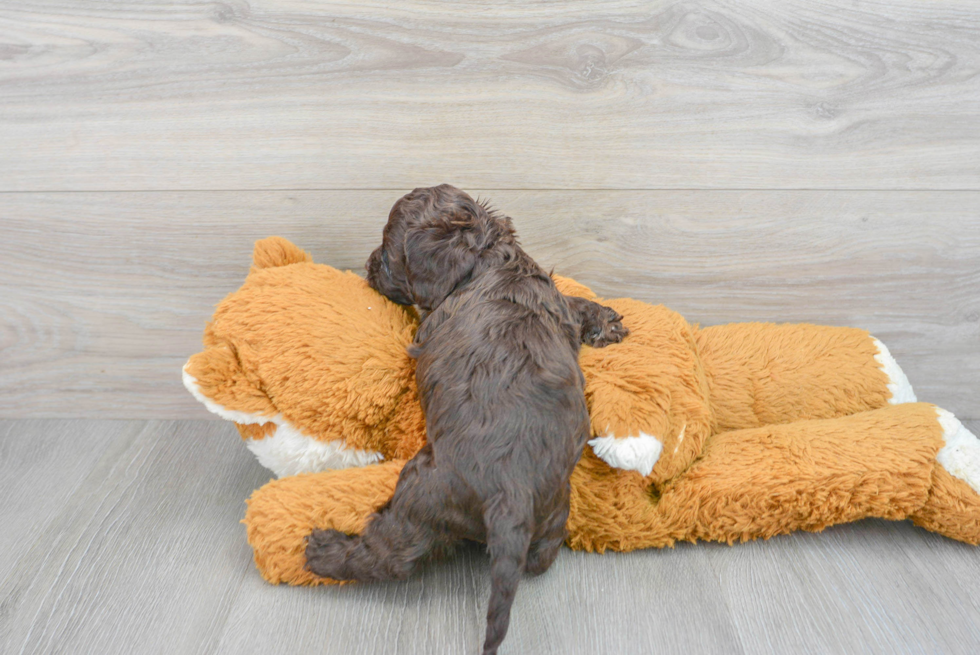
(767, 374)
(953, 506)
(282, 514)
(775, 479)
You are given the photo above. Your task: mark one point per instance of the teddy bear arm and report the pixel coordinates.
(648, 401)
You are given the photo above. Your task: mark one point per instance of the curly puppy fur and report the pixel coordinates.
(498, 375)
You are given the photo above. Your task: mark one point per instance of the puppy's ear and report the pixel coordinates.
(441, 256)
(474, 230)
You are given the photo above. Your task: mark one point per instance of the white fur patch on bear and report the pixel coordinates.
(898, 383)
(961, 454)
(628, 453)
(287, 451)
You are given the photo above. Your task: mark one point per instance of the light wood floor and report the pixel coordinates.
(768, 160)
(123, 537)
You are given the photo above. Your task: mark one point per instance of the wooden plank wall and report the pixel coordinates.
(762, 160)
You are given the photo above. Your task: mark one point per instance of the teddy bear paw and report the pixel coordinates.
(638, 454)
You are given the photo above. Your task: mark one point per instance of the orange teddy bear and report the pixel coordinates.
(725, 433)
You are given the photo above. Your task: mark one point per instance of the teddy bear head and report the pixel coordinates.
(311, 363)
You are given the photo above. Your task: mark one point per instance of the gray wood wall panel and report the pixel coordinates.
(584, 94)
(146, 555)
(105, 295)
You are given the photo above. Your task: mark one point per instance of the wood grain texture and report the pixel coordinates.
(584, 94)
(105, 295)
(868, 587)
(42, 465)
(146, 556)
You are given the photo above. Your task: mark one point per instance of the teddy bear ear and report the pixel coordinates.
(570, 287)
(215, 377)
(276, 251)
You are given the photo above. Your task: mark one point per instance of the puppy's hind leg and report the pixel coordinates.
(393, 542)
(388, 549)
(508, 521)
(544, 550)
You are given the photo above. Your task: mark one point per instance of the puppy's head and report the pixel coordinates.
(434, 241)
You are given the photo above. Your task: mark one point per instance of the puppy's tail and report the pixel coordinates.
(509, 519)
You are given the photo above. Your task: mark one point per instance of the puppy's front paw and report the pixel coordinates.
(603, 327)
(326, 553)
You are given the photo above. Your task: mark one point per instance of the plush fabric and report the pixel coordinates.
(310, 347)
(725, 433)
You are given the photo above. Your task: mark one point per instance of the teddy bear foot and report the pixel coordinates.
(960, 454)
(953, 507)
(952, 510)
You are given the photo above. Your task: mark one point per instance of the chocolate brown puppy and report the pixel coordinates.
(503, 396)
